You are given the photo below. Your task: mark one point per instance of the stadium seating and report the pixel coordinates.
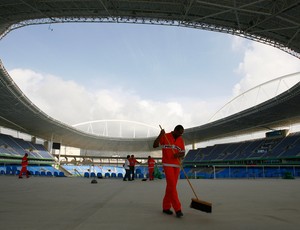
(259, 150)
(264, 157)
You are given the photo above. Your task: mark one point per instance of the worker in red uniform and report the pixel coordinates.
(151, 164)
(24, 166)
(173, 149)
(132, 163)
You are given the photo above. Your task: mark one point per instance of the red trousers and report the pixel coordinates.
(171, 196)
(151, 173)
(24, 170)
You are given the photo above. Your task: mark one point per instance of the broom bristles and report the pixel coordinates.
(201, 205)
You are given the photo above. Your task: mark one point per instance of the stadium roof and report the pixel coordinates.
(272, 22)
(276, 23)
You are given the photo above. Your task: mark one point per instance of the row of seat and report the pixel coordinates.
(16, 147)
(33, 173)
(264, 148)
(109, 175)
(243, 172)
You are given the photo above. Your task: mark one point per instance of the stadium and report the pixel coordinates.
(59, 193)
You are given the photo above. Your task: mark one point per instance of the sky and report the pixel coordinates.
(145, 73)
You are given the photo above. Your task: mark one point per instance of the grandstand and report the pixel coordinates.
(275, 150)
(273, 156)
(12, 150)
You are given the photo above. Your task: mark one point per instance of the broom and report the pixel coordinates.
(196, 202)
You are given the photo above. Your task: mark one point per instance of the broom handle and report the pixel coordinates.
(186, 177)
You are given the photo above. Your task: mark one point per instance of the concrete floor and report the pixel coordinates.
(74, 203)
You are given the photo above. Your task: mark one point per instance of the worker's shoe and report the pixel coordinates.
(20, 177)
(179, 214)
(167, 211)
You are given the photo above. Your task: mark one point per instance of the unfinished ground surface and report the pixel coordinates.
(74, 203)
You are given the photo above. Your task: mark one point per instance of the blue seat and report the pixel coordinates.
(86, 174)
(140, 175)
(120, 175)
(99, 175)
(182, 176)
(8, 170)
(49, 173)
(107, 174)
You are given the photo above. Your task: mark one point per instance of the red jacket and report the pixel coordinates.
(132, 161)
(151, 163)
(24, 161)
(170, 146)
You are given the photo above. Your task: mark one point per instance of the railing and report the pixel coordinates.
(243, 172)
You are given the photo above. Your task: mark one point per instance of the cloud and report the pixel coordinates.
(239, 44)
(259, 64)
(71, 103)
(262, 63)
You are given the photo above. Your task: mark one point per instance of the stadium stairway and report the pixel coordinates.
(66, 172)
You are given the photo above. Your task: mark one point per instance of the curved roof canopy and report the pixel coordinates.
(272, 22)
(276, 23)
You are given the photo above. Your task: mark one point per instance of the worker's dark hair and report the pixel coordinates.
(178, 128)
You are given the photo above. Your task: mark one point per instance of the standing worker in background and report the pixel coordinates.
(172, 150)
(151, 164)
(127, 169)
(24, 166)
(132, 163)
